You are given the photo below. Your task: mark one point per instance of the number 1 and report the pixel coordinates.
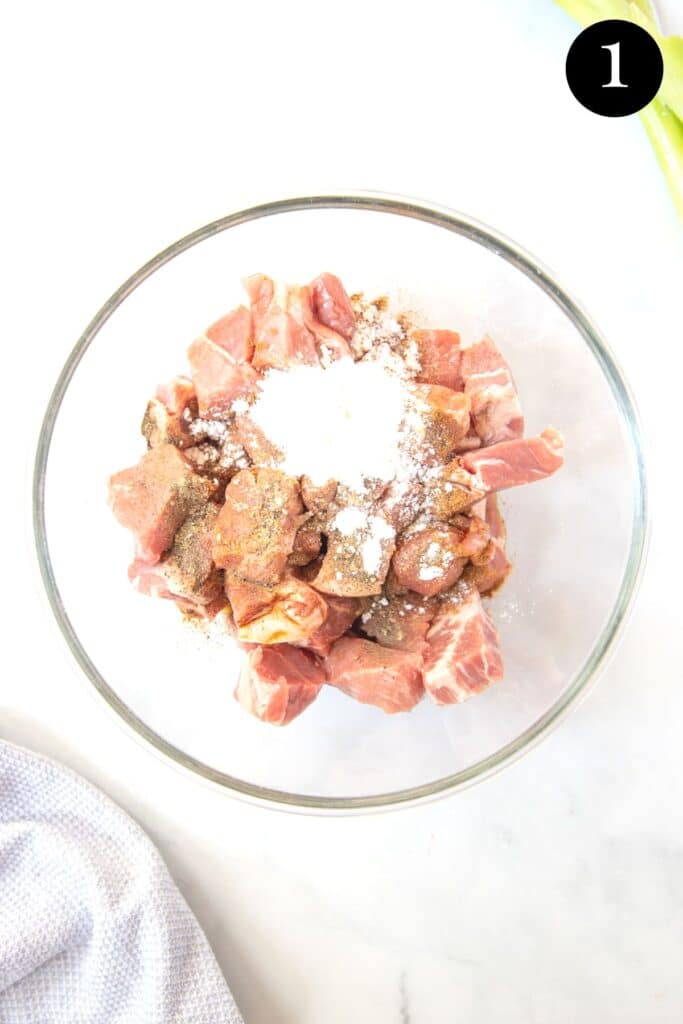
(615, 81)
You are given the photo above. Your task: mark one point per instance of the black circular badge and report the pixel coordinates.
(614, 68)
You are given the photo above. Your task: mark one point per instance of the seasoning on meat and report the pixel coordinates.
(168, 415)
(187, 574)
(154, 498)
(257, 524)
(489, 571)
(428, 561)
(400, 621)
(359, 550)
(443, 419)
(324, 485)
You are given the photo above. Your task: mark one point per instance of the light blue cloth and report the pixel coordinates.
(92, 928)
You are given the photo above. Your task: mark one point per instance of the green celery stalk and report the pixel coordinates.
(665, 132)
(663, 117)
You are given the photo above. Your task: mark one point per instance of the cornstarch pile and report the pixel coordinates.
(340, 422)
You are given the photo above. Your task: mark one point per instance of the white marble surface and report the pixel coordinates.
(554, 892)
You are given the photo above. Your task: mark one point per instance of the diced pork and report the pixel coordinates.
(489, 572)
(439, 355)
(331, 344)
(469, 442)
(385, 677)
(463, 653)
(511, 463)
(356, 564)
(288, 612)
(450, 489)
(443, 419)
(187, 575)
(317, 497)
(168, 415)
(257, 446)
(494, 520)
(257, 525)
(331, 305)
(496, 410)
(261, 292)
(428, 561)
(178, 395)
(474, 535)
(233, 332)
(155, 497)
(280, 340)
(307, 545)
(218, 379)
(277, 683)
(341, 614)
(401, 621)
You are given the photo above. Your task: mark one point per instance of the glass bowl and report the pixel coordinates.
(577, 540)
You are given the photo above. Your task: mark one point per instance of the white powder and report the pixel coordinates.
(430, 572)
(368, 531)
(371, 548)
(374, 326)
(350, 520)
(339, 422)
(215, 429)
(434, 562)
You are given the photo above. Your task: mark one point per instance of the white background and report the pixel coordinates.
(554, 892)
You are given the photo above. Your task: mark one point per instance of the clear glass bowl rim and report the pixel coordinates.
(481, 234)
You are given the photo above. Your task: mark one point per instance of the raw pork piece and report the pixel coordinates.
(462, 655)
(331, 305)
(289, 612)
(511, 463)
(444, 418)
(341, 614)
(469, 442)
(428, 561)
(187, 575)
(356, 564)
(496, 412)
(401, 621)
(331, 344)
(307, 545)
(233, 332)
(257, 525)
(449, 490)
(251, 438)
(488, 574)
(439, 355)
(168, 415)
(218, 379)
(154, 498)
(388, 678)
(277, 683)
(474, 535)
(317, 497)
(280, 340)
